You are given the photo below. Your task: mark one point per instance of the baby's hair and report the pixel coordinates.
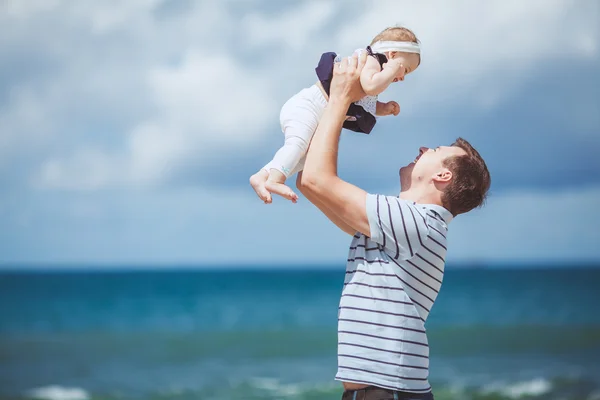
(396, 33)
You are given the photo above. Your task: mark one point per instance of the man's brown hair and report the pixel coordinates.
(470, 180)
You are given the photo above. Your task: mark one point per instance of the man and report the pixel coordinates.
(396, 259)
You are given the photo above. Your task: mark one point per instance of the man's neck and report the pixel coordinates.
(422, 196)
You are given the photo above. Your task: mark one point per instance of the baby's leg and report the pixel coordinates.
(287, 160)
(299, 119)
(258, 182)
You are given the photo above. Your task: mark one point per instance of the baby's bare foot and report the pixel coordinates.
(282, 190)
(258, 181)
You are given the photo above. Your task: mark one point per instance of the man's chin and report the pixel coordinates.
(405, 173)
(406, 169)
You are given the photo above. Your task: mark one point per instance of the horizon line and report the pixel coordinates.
(272, 266)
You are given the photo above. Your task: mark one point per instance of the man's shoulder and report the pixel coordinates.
(395, 202)
(401, 215)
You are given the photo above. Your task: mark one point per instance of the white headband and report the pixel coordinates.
(407, 47)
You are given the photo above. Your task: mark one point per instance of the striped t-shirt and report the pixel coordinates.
(392, 280)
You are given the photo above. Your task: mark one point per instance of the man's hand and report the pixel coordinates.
(389, 108)
(345, 83)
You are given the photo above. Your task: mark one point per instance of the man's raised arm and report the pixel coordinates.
(333, 217)
(319, 180)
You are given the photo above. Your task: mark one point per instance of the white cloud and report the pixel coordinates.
(27, 116)
(202, 80)
(107, 16)
(292, 30)
(206, 103)
(23, 9)
(214, 96)
(89, 169)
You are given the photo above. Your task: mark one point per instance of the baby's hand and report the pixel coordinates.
(389, 108)
(394, 63)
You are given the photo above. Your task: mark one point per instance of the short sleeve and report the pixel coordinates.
(396, 225)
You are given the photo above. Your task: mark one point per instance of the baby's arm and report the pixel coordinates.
(389, 108)
(380, 109)
(375, 80)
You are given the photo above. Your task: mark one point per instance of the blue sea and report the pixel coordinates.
(271, 334)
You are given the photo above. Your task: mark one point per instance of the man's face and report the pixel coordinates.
(428, 166)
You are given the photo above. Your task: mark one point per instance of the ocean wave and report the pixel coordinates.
(535, 387)
(267, 388)
(56, 392)
(293, 390)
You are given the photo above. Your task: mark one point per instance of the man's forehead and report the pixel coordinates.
(453, 149)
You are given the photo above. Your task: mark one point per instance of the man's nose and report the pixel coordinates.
(423, 149)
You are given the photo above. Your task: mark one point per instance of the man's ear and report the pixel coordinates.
(443, 176)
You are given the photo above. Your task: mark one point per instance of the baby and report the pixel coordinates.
(393, 54)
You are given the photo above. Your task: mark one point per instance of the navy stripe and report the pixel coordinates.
(384, 350)
(374, 286)
(405, 232)
(417, 279)
(362, 245)
(357, 246)
(416, 290)
(437, 216)
(422, 306)
(419, 236)
(368, 261)
(385, 338)
(423, 271)
(392, 226)
(422, 216)
(377, 299)
(416, 225)
(382, 362)
(371, 273)
(356, 236)
(433, 252)
(391, 288)
(441, 245)
(381, 373)
(384, 325)
(432, 227)
(380, 312)
(379, 218)
(401, 280)
(430, 263)
(385, 386)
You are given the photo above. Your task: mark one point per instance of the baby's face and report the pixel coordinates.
(410, 61)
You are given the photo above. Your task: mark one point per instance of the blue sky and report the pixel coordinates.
(128, 130)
